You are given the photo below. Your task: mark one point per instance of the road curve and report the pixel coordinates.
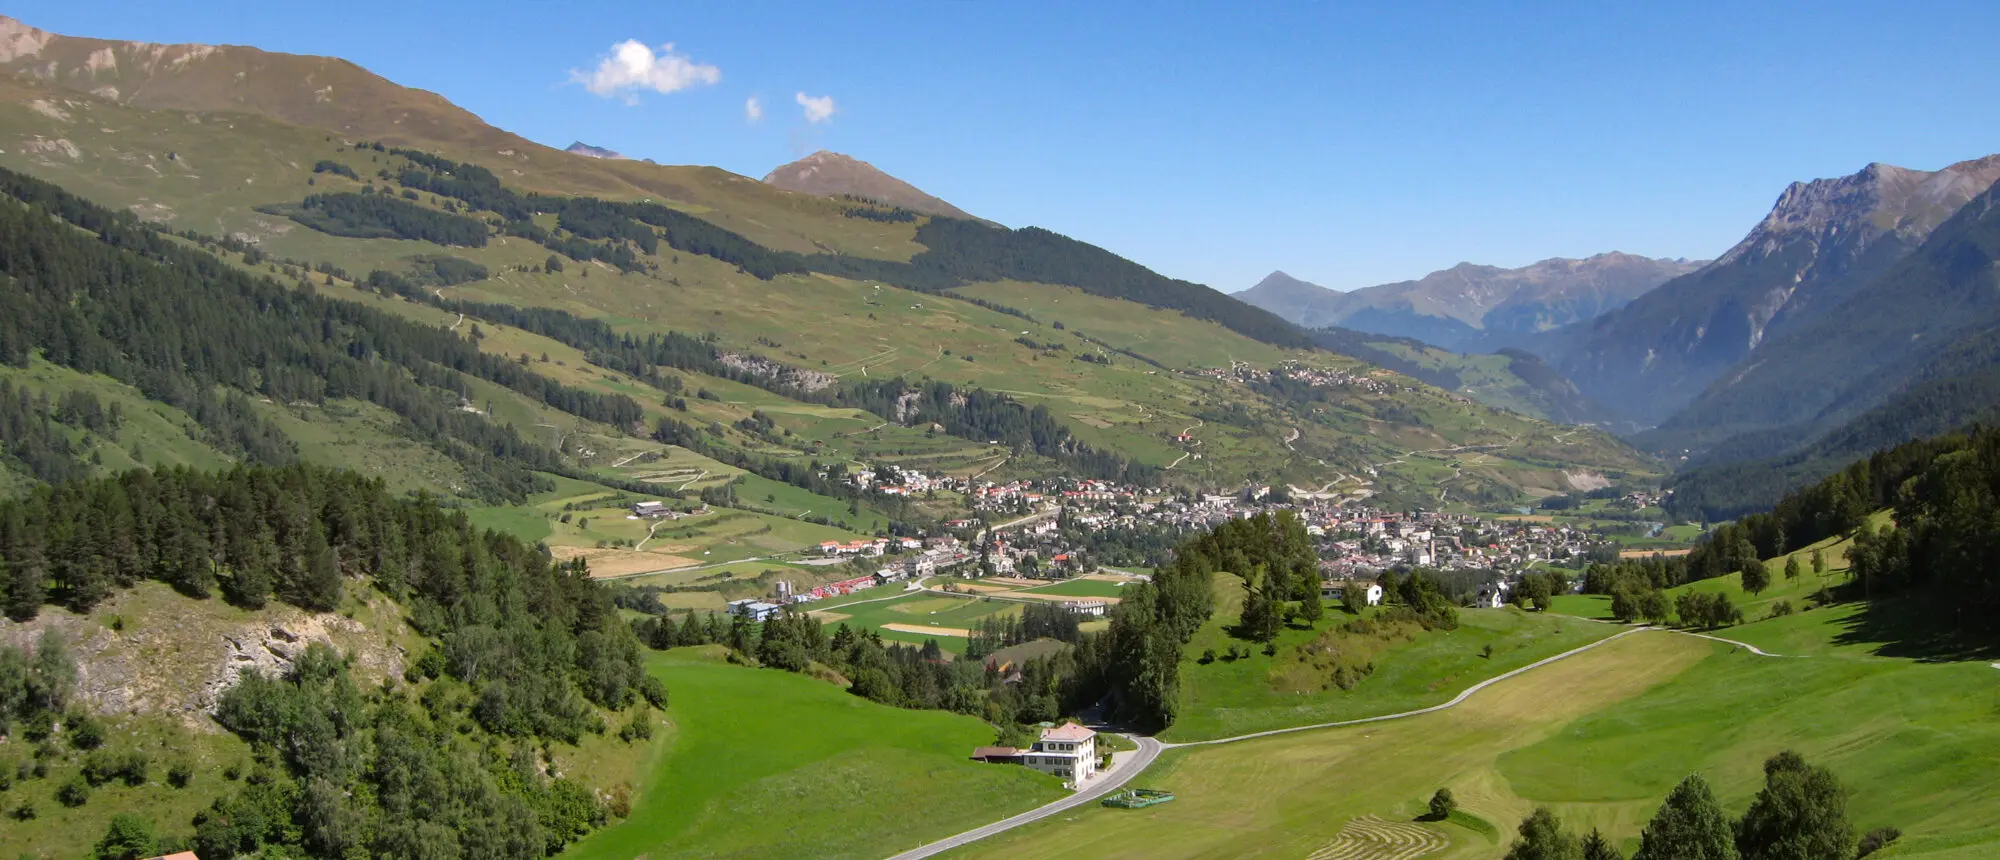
(1149, 749)
(1112, 781)
(1460, 698)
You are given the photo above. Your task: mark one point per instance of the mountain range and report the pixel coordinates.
(1470, 307)
(314, 169)
(833, 174)
(1822, 241)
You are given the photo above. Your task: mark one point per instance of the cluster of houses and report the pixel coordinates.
(1372, 381)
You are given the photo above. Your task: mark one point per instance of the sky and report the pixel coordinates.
(1344, 145)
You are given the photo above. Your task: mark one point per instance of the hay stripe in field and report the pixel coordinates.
(1371, 838)
(927, 630)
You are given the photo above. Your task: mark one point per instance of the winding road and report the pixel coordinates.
(1150, 749)
(1111, 781)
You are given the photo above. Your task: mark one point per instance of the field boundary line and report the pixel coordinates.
(1455, 701)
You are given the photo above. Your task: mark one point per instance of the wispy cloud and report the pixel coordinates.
(817, 110)
(632, 65)
(753, 109)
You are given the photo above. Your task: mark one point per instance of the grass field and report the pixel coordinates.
(926, 610)
(1080, 588)
(58, 831)
(1255, 693)
(763, 763)
(1600, 737)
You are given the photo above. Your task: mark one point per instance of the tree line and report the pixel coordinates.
(194, 332)
(1799, 814)
(957, 252)
(382, 216)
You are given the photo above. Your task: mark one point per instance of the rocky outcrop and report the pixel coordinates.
(137, 656)
(1821, 242)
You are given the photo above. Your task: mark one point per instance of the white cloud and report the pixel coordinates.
(632, 65)
(818, 110)
(753, 109)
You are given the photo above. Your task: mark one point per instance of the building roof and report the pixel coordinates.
(1068, 732)
(995, 752)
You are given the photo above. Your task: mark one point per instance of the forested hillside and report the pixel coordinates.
(523, 656)
(101, 292)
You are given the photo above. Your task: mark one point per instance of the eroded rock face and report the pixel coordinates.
(176, 656)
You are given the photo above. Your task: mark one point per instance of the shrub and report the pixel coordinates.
(1876, 840)
(74, 793)
(1781, 609)
(85, 732)
(180, 774)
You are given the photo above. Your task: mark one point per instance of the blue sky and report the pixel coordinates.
(1345, 145)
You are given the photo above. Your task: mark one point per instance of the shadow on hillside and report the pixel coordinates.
(1920, 627)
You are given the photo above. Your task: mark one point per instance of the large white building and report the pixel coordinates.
(1068, 751)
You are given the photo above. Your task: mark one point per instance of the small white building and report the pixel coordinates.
(1374, 594)
(755, 610)
(1068, 751)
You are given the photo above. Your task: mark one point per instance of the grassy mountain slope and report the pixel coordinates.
(1511, 379)
(831, 174)
(836, 311)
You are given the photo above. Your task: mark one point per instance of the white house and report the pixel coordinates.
(755, 610)
(1374, 594)
(1068, 751)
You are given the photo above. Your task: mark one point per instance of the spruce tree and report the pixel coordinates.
(1689, 826)
(1596, 847)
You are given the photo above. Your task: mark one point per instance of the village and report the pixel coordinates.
(1045, 530)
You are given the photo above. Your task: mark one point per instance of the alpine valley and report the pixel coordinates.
(376, 482)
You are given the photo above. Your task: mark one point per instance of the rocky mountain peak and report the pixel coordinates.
(585, 149)
(1880, 198)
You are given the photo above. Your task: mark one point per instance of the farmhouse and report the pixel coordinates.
(649, 510)
(755, 610)
(1068, 751)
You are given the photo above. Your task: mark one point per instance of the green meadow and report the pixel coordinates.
(1257, 692)
(762, 763)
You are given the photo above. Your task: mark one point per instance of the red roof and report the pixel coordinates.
(1068, 732)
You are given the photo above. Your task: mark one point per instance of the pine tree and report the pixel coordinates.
(1311, 609)
(1596, 847)
(1689, 826)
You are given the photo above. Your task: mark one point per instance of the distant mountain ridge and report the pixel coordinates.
(833, 174)
(585, 149)
(1471, 307)
(1822, 241)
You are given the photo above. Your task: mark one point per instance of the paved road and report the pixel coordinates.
(1150, 749)
(1109, 782)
